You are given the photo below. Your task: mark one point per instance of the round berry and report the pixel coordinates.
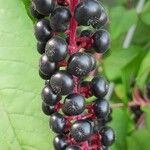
(48, 96)
(59, 19)
(60, 143)
(41, 47)
(42, 30)
(56, 49)
(47, 109)
(44, 76)
(102, 21)
(101, 40)
(73, 147)
(44, 7)
(108, 136)
(81, 130)
(62, 83)
(80, 64)
(101, 108)
(46, 66)
(35, 13)
(99, 86)
(57, 123)
(74, 104)
(87, 12)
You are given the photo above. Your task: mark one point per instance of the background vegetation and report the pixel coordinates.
(22, 124)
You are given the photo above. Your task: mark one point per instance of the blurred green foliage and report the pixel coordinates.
(22, 125)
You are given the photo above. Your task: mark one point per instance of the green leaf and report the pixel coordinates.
(118, 59)
(144, 72)
(120, 124)
(141, 36)
(22, 124)
(27, 5)
(121, 20)
(145, 16)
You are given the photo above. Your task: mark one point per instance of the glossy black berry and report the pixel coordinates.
(60, 143)
(81, 130)
(108, 136)
(34, 13)
(88, 12)
(44, 7)
(102, 21)
(44, 76)
(74, 104)
(57, 123)
(80, 64)
(59, 19)
(46, 66)
(73, 147)
(101, 108)
(47, 109)
(62, 83)
(41, 47)
(48, 96)
(99, 86)
(42, 30)
(101, 40)
(56, 49)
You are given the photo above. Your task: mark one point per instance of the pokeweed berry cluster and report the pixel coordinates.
(65, 64)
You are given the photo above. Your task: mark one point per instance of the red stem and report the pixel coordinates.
(72, 28)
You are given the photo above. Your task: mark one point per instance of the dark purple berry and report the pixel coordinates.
(34, 13)
(101, 40)
(101, 108)
(47, 109)
(80, 64)
(62, 83)
(108, 136)
(44, 7)
(46, 66)
(48, 96)
(56, 49)
(59, 19)
(99, 86)
(74, 104)
(60, 143)
(87, 12)
(44, 76)
(57, 123)
(81, 130)
(102, 21)
(73, 147)
(41, 47)
(42, 30)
